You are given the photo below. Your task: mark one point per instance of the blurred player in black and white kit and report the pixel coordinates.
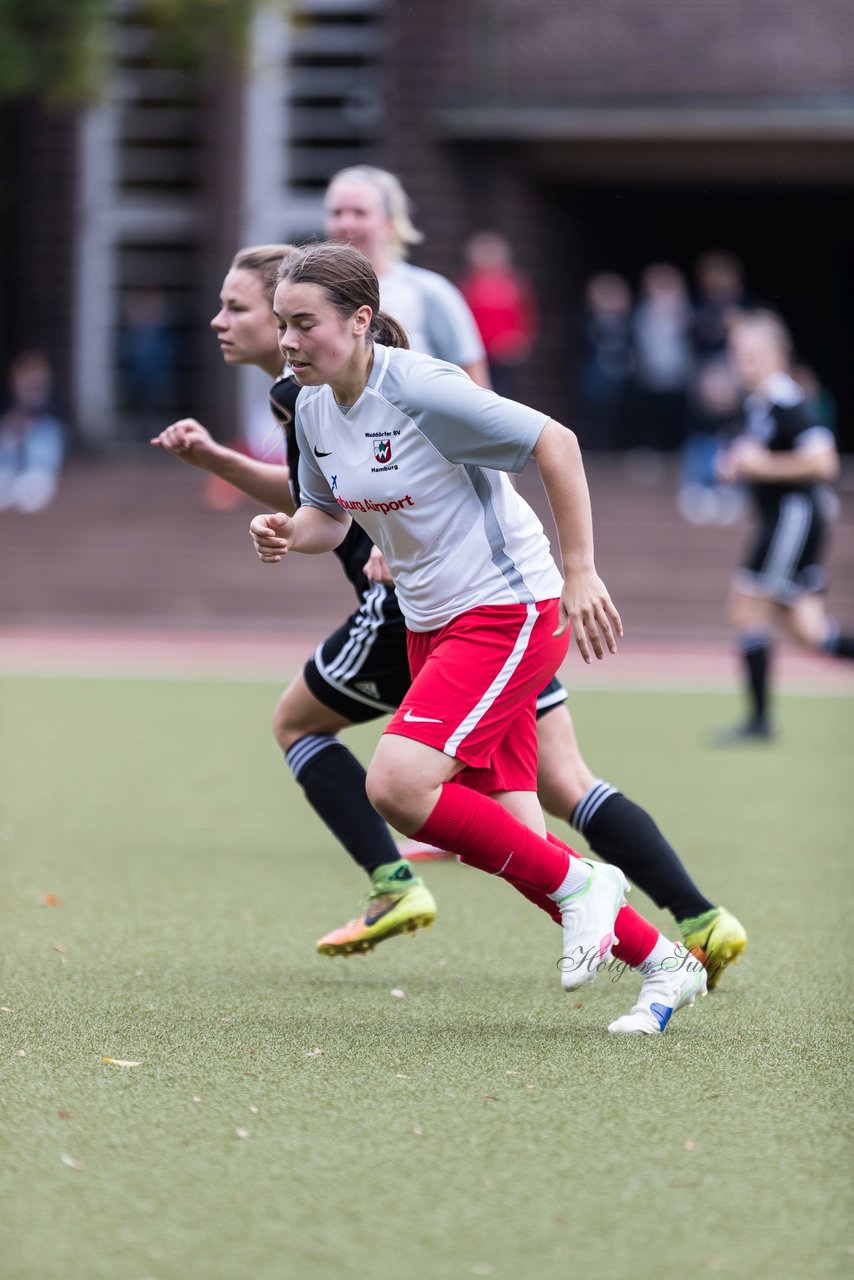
(785, 457)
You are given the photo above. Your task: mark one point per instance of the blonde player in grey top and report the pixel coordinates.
(369, 209)
(417, 454)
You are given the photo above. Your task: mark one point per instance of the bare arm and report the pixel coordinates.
(585, 603)
(266, 482)
(748, 460)
(478, 371)
(310, 531)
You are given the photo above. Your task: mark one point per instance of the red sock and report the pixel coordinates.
(637, 937)
(539, 899)
(485, 835)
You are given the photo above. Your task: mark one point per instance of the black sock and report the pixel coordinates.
(755, 647)
(622, 833)
(334, 785)
(838, 643)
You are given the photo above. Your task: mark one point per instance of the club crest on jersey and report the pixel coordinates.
(382, 450)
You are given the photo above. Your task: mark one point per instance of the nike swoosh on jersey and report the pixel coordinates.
(318, 454)
(413, 719)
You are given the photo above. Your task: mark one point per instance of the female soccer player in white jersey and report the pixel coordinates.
(369, 209)
(417, 454)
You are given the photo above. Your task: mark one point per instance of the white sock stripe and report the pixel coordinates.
(305, 749)
(500, 682)
(591, 803)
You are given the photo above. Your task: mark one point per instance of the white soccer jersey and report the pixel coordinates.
(433, 312)
(418, 462)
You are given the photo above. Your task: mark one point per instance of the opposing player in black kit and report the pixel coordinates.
(786, 459)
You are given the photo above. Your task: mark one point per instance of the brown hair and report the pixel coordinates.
(350, 282)
(264, 260)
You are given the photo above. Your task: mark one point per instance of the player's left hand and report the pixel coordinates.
(375, 567)
(587, 608)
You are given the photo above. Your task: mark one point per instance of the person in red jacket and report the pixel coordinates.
(502, 301)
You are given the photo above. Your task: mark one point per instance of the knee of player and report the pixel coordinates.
(389, 795)
(285, 732)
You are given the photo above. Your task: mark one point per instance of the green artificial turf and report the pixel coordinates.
(485, 1124)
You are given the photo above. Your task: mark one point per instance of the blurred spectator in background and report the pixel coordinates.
(664, 362)
(713, 412)
(148, 352)
(502, 302)
(605, 361)
(32, 436)
(720, 295)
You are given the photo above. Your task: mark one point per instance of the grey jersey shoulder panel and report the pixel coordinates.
(465, 423)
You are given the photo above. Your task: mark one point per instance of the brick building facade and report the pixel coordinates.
(594, 134)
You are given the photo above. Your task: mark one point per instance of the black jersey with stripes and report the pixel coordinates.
(780, 420)
(354, 551)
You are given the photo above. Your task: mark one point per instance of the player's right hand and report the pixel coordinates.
(271, 535)
(189, 441)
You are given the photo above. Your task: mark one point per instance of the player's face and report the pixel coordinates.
(244, 323)
(355, 215)
(319, 344)
(756, 356)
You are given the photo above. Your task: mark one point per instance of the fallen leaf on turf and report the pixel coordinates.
(530, 1087)
(240, 1132)
(60, 946)
(253, 1111)
(137, 973)
(401, 1076)
(20, 1053)
(576, 1004)
(489, 1097)
(71, 1162)
(196, 1098)
(5, 1009)
(314, 1053)
(120, 1062)
(49, 900)
(511, 1073)
(65, 1115)
(690, 1144)
(397, 993)
(417, 1130)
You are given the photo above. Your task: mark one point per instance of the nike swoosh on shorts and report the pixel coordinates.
(413, 719)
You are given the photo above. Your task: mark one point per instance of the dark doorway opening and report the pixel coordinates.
(796, 245)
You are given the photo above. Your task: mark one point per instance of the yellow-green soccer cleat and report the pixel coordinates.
(716, 938)
(398, 903)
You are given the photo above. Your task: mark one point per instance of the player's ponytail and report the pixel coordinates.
(390, 332)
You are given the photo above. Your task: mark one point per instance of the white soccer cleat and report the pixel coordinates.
(664, 991)
(588, 917)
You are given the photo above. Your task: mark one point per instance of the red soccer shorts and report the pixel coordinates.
(474, 688)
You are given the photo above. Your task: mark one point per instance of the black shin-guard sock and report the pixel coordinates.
(334, 784)
(622, 833)
(838, 643)
(755, 649)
